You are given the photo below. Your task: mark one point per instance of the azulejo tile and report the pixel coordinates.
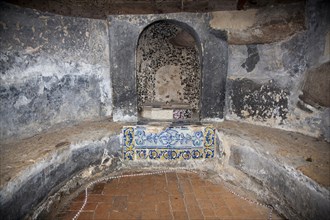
(168, 143)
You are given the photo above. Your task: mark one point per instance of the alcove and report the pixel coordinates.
(168, 73)
(201, 90)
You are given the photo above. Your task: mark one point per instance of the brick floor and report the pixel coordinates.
(163, 196)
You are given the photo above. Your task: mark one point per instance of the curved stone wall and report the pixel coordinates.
(266, 79)
(259, 161)
(58, 71)
(54, 71)
(26, 190)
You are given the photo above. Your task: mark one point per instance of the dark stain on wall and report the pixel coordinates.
(53, 70)
(295, 58)
(220, 34)
(258, 101)
(252, 59)
(31, 102)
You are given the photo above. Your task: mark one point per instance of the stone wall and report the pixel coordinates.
(102, 8)
(54, 71)
(269, 62)
(213, 47)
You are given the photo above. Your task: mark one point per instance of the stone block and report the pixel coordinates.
(259, 26)
(296, 195)
(316, 90)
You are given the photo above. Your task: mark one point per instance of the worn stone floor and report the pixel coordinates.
(163, 196)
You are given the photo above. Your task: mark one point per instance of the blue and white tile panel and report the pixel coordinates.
(170, 143)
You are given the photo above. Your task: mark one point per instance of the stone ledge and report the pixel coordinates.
(278, 160)
(296, 150)
(279, 166)
(52, 159)
(297, 196)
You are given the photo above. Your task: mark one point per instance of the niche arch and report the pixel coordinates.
(168, 72)
(124, 34)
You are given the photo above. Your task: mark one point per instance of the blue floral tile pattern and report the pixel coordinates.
(170, 143)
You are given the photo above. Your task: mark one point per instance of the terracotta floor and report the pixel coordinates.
(163, 196)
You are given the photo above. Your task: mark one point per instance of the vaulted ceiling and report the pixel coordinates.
(102, 8)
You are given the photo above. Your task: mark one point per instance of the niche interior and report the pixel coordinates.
(168, 73)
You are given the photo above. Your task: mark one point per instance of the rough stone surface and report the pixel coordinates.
(122, 67)
(128, 28)
(316, 90)
(167, 73)
(50, 160)
(286, 64)
(258, 101)
(103, 8)
(54, 71)
(168, 86)
(258, 26)
(183, 39)
(287, 170)
(268, 156)
(282, 62)
(318, 27)
(326, 52)
(293, 191)
(49, 175)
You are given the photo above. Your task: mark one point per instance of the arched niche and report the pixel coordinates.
(124, 34)
(168, 72)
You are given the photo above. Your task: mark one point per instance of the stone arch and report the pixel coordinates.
(168, 72)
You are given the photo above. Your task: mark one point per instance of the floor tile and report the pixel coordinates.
(205, 203)
(194, 212)
(86, 215)
(164, 196)
(223, 212)
(208, 212)
(102, 211)
(177, 203)
(119, 203)
(180, 215)
(190, 200)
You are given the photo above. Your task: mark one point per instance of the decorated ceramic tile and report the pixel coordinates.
(170, 143)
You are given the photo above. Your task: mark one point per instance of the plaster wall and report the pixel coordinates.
(54, 71)
(267, 78)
